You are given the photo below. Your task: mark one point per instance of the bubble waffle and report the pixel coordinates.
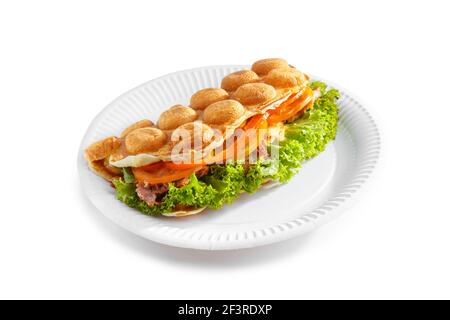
(243, 94)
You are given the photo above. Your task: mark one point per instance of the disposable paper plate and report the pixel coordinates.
(324, 186)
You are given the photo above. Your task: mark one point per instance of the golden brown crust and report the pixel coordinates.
(145, 140)
(138, 125)
(262, 67)
(198, 133)
(236, 79)
(99, 168)
(254, 93)
(183, 213)
(111, 168)
(101, 149)
(176, 116)
(223, 112)
(203, 98)
(285, 78)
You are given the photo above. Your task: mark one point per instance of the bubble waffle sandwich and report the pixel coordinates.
(256, 129)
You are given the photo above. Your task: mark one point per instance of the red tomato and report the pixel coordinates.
(286, 111)
(162, 174)
(182, 166)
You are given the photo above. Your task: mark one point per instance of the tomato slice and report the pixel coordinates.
(153, 166)
(162, 174)
(255, 122)
(165, 171)
(242, 145)
(182, 165)
(286, 111)
(291, 99)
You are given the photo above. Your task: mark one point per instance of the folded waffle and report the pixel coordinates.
(213, 113)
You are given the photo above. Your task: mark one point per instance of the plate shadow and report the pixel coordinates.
(200, 258)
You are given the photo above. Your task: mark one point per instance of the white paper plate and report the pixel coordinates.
(323, 187)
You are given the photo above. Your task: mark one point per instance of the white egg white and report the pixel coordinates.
(138, 160)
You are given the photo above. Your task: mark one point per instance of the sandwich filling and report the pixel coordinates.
(309, 122)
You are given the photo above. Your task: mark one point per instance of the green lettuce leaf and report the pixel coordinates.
(227, 180)
(128, 176)
(308, 136)
(195, 194)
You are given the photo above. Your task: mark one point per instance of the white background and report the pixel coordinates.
(61, 62)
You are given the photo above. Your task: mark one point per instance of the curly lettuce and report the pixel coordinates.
(305, 138)
(195, 194)
(308, 136)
